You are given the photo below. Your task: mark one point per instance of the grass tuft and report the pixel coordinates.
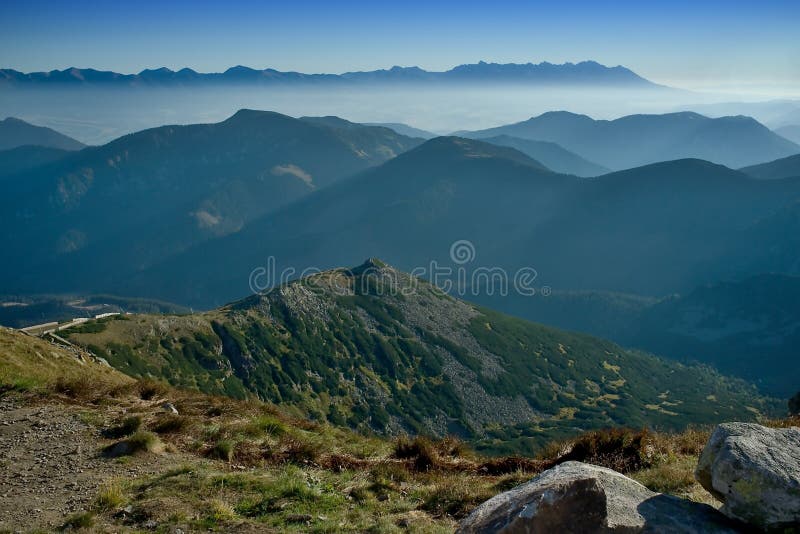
(171, 424)
(128, 426)
(110, 496)
(140, 442)
(79, 521)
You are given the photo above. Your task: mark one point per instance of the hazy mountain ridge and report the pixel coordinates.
(404, 129)
(129, 203)
(551, 155)
(586, 73)
(636, 140)
(617, 232)
(410, 209)
(16, 133)
(788, 167)
(378, 350)
(790, 132)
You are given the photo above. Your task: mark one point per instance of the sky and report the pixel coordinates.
(692, 44)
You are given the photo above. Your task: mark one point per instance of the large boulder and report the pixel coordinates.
(755, 471)
(575, 497)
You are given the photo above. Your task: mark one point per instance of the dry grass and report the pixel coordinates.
(250, 464)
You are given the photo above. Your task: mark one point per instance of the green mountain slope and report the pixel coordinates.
(637, 140)
(379, 350)
(15, 132)
(748, 328)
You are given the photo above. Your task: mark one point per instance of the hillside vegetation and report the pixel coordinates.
(379, 351)
(227, 465)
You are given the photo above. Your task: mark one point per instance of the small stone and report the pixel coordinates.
(169, 407)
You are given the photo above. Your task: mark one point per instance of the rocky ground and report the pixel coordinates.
(52, 464)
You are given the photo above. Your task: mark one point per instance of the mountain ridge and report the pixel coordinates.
(585, 72)
(636, 140)
(383, 351)
(16, 132)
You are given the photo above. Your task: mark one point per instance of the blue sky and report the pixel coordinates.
(691, 44)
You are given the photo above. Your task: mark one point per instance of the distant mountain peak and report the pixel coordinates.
(15, 132)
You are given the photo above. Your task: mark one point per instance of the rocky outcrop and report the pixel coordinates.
(574, 497)
(755, 471)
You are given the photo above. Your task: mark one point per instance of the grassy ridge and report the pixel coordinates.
(353, 348)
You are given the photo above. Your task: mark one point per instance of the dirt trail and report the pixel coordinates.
(51, 466)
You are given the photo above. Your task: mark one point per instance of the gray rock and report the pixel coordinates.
(580, 498)
(169, 408)
(755, 471)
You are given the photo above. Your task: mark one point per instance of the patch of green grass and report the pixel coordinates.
(78, 521)
(140, 442)
(110, 496)
(223, 450)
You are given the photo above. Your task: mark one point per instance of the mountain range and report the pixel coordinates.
(378, 350)
(16, 133)
(188, 213)
(637, 140)
(96, 220)
(583, 73)
(128, 204)
(618, 232)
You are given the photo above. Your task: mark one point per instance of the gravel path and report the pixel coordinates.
(50, 466)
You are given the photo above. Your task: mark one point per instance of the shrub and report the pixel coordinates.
(620, 449)
(149, 389)
(78, 521)
(267, 425)
(110, 496)
(454, 497)
(298, 450)
(141, 441)
(171, 424)
(128, 426)
(421, 450)
(223, 450)
(81, 387)
(510, 464)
